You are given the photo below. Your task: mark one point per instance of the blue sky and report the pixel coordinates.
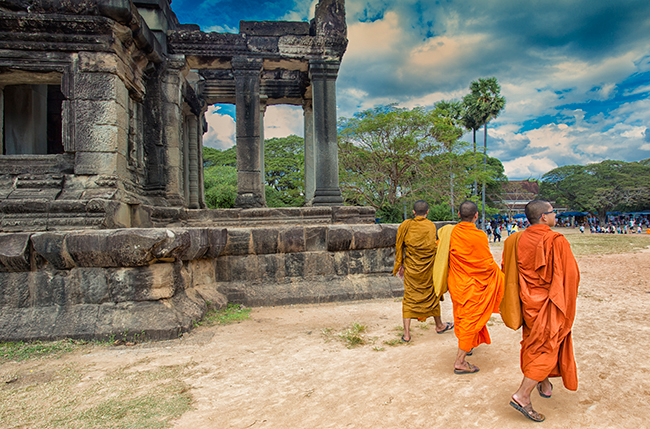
(575, 73)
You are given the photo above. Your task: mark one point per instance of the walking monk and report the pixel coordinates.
(475, 283)
(415, 252)
(548, 280)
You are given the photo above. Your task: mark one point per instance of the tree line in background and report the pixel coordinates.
(599, 188)
(389, 157)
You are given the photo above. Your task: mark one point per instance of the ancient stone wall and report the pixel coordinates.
(156, 282)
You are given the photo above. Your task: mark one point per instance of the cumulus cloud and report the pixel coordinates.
(221, 129)
(282, 121)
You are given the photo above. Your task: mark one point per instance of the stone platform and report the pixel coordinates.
(155, 282)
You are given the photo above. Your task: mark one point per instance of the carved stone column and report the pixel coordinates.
(310, 170)
(263, 100)
(193, 141)
(250, 192)
(323, 79)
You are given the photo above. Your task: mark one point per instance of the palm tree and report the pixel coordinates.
(472, 120)
(488, 103)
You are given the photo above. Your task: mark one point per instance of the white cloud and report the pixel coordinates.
(221, 129)
(220, 29)
(283, 120)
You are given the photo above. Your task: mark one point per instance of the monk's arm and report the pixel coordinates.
(399, 245)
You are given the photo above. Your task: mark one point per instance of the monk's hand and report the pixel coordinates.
(400, 272)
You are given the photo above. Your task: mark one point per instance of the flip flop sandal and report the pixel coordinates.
(539, 389)
(528, 411)
(447, 328)
(472, 369)
(405, 340)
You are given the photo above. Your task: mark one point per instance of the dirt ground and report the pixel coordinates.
(286, 367)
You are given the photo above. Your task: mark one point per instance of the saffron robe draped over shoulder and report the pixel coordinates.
(416, 250)
(548, 288)
(475, 282)
(510, 307)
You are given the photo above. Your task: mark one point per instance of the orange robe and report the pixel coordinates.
(548, 288)
(475, 283)
(416, 250)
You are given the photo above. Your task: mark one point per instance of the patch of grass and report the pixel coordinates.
(19, 351)
(378, 349)
(394, 343)
(424, 326)
(233, 313)
(607, 244)
(353, 336)
(124, 398)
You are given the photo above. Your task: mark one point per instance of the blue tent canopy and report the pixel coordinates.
(519, 216)
(566, 214)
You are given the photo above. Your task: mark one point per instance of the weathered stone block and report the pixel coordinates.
(366, 236)
(157, 281)
(319, 264)
(96, 163)
(76, 321)
(199, 244)
(356, 264)
(151, 320)
(315, 238)
(87, 286)
(294, 264)
(341, 263)
(97, 62)
(101, 138)
(14, 290)
(217, 237)
(202, 272)
(100, 86)
(265, 240)
(51, 246)
(47, 289)
(339, 237)
(14, 252)
(114, 248)
(239, 242)
(242, 268)
(271, 267)
(189, 307)
(388, 236)
(292, 240)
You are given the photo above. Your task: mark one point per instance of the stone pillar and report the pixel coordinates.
(263, 99)
(323, 79)
(250, 192)
(172, 120)
(310, 169)
(193, 140)
(2, 116)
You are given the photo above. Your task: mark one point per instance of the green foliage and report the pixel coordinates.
(285, 171)
(216, 158)
(441, 212)
(599, 188)
(284, 174)
(220, 186)
(353, 336)
(233, 313)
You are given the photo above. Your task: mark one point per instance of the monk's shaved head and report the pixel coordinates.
(467, 211)
(420, 208)
(535, 209)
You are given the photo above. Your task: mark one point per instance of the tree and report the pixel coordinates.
(485, 103)
(284, 171)
(446, 129)
(381, 154)
(599, 188)
(220, 183)
(284, 174)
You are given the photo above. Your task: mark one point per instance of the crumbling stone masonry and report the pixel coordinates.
(103, 225)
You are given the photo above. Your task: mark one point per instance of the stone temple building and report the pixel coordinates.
(103, 225)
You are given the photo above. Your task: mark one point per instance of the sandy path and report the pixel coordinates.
(278, 370)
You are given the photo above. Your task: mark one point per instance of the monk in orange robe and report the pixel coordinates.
(475, 283)
(548, 289)
(415, 253)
